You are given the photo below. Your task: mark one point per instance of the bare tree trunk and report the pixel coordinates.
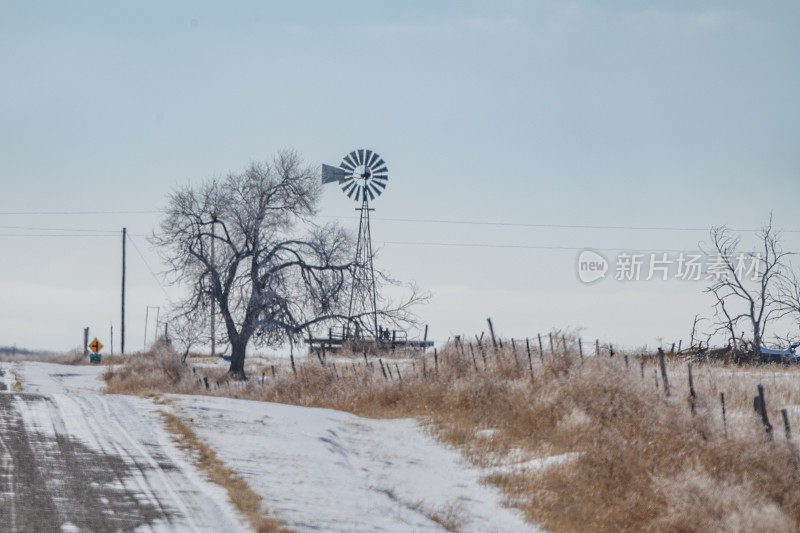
(237, 359)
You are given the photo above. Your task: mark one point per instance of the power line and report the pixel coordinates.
(531, 247)
(56, 235)
(39, 228)
(420, 220)
(117, 212)
(541, 225)
(158, 281)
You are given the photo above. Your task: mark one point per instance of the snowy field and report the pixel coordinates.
(317, 469)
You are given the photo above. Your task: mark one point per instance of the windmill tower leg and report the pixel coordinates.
(363, 292)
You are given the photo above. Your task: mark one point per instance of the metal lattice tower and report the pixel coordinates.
(363, 176)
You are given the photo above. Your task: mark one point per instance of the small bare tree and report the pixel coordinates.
(247, 243)
(188, 331)
(742, 297)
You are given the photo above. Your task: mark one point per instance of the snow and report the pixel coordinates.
(321, 469)
(317, 469)
(129, 427)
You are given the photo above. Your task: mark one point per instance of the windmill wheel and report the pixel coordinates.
(367, 174)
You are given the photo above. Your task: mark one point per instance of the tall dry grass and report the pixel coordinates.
(639, 460)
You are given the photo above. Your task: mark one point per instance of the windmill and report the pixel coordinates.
(363, 176)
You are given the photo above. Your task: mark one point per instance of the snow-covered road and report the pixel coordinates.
(73, 459)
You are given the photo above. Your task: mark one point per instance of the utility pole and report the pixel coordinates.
(122, 322)
(111, 338)
(213, 301)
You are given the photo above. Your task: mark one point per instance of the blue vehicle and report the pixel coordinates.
(788, 356)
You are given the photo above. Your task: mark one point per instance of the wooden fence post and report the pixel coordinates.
(724, 417)
(597, 347)
(491, 332)
(514, 353)
(580, 347)
(786, 427)
(436, 360)
(383, 370)
(530, 360)
(760, 407)
(663, 366)
(291, 356)
(641, 365)
(692, 395)
(550, 336)
(472, 353)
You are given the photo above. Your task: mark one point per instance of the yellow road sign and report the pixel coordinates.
(96, 346)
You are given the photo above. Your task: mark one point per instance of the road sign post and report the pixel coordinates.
(95, 346)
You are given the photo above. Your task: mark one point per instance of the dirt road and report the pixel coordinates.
(75, 460)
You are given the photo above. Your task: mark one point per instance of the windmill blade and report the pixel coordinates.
(380, 184)
(360, 156)
(352, 187)
(379, 163)
(354, 158)
(345, 164)
(381, 170)
(371, 160)
(367, 156)
(374, 189)
(371, 196)
(381, 177)
(349, 161)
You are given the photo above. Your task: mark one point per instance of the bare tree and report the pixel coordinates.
(273, 274)
(789, 300)
(746, 285)
(188, 330)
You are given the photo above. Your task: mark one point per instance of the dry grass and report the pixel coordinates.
(641, 460)
(247, 502)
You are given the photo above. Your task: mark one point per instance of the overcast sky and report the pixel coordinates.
(551, 114)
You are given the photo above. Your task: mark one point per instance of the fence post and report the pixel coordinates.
(786, 427)
(436, 360)
(724, 417)
(491, 332)
(530, 360)
(692, 395)
(663, 366)
(760, 407)
(550, 336)
(541, 349)
(580, 347)
(597, 347)
(641, 366)
(383, 370)
(472, 353)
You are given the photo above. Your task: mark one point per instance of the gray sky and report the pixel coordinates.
(643, 114)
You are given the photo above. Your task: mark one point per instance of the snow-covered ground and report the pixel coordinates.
(73, 458)
(317, 469)
(321, 469)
